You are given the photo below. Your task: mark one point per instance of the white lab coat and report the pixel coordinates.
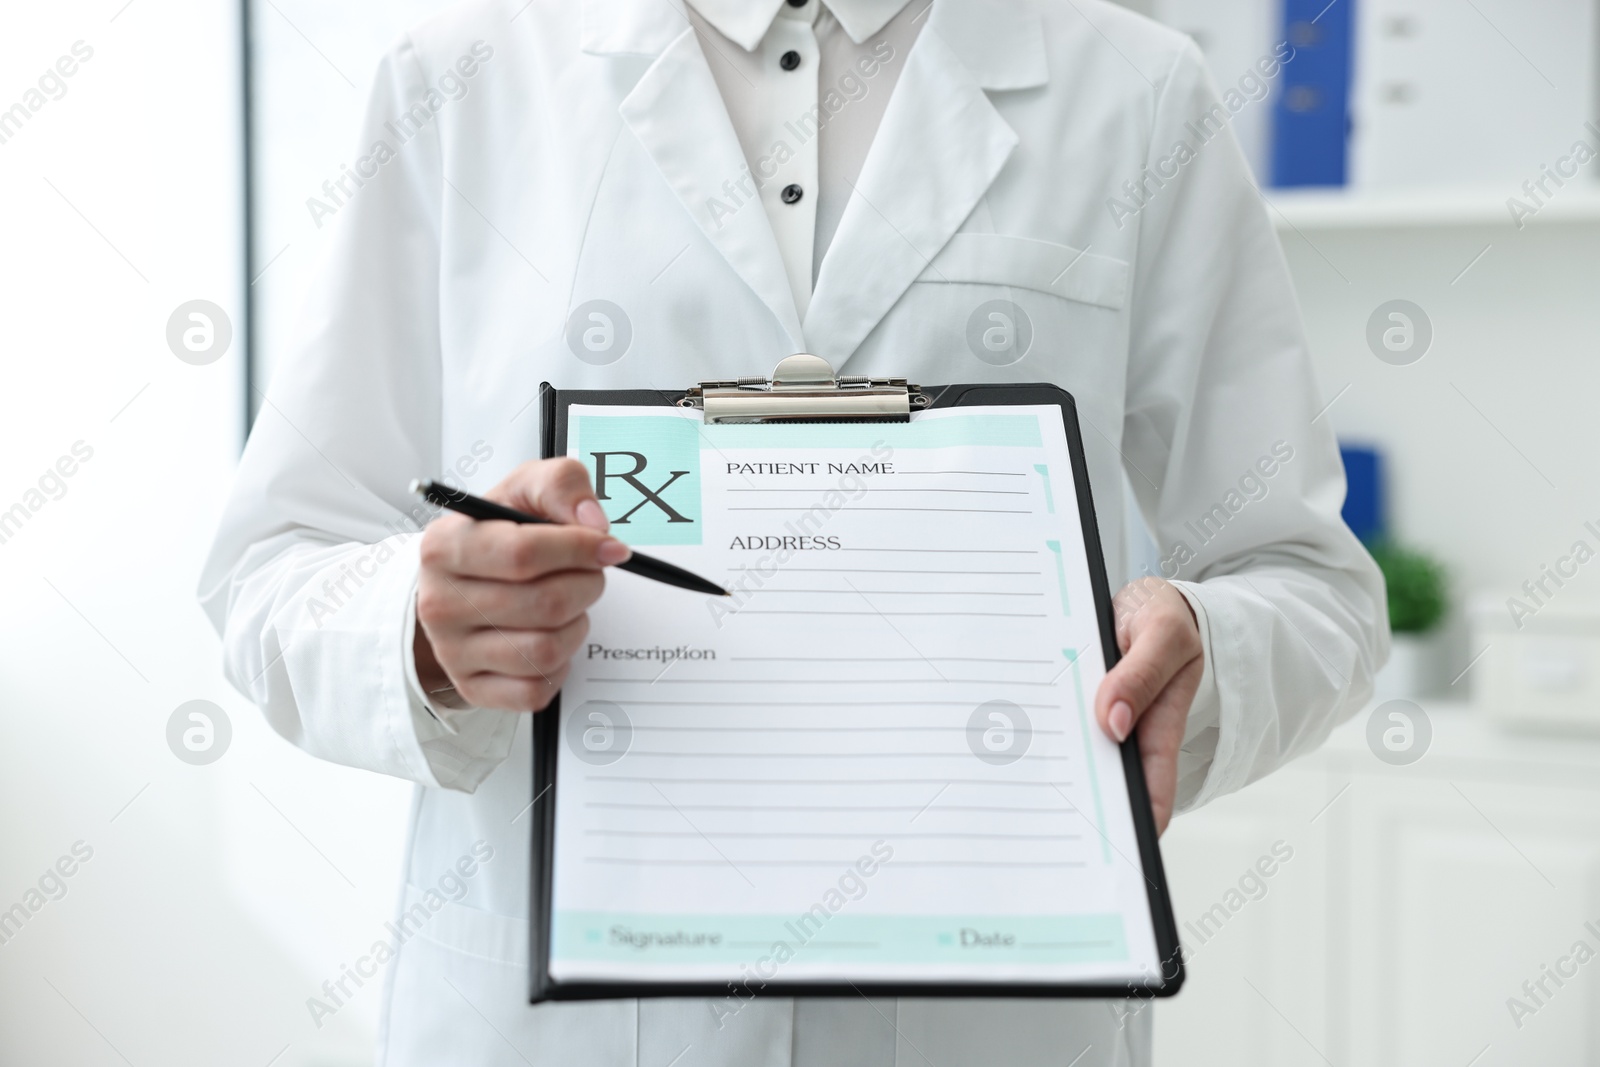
(581, 165)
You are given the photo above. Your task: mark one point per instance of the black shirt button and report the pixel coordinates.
(789, 60)
(792, 193)
(797, 3)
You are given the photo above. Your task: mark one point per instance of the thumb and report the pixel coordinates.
(555, 489)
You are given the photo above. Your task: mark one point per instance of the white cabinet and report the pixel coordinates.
(1247, 1000)
(1415, 905)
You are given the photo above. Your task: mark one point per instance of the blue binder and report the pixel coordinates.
(1311, 115)
(1365, 510)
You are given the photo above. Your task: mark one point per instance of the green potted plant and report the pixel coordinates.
(1418, 600)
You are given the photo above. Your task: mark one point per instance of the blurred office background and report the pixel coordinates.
(1394, 152)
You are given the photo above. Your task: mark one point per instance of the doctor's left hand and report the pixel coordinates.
(1149, 691)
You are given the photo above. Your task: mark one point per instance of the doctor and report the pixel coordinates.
(627, 194)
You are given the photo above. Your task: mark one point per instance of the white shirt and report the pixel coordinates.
(581, 165)
(805, 88)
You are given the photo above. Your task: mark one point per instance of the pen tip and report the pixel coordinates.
(416, 485)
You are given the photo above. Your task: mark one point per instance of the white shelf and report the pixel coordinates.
(1424, 208)
(1467, 740)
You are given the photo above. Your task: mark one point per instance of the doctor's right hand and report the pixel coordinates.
(500, 605)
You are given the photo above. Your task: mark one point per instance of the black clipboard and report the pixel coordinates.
(803, 388)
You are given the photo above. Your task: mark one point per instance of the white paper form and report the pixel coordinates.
(877, 760)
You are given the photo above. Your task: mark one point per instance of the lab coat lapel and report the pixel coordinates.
(940, 145)
(677, 114)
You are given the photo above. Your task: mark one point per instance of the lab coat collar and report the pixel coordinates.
(1001, 42)
(941, 144)
(631, 27)
(677, 114)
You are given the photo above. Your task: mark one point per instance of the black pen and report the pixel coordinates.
(474, 507)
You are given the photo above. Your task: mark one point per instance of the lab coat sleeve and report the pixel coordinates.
(1233, 461)
(312, 577)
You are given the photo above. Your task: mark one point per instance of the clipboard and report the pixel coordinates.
(803, 388)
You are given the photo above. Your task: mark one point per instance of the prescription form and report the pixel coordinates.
(877, 759)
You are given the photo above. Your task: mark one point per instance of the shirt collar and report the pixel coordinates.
(1001, 42)
(745, 22)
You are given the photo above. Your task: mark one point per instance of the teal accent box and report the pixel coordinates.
(821, 936)
(646, 472)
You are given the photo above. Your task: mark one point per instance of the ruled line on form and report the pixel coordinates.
(914, 614)
(982, 474)
(883, 659)
(632, 861)
(905, 592)
(881, 570)
(763, 704)
(947, 551)
(847, 835)
(850, 808)
(958, 511)
(819, 681)
(652, 778)
(1030, 758)
(640, 727)
(882, 489)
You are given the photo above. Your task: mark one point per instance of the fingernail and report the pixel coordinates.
(590, 515)
(612, 552)
(1120, 720)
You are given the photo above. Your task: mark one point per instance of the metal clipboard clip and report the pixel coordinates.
(803, 388)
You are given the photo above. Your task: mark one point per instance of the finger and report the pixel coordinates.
(1133, 599)
(545, 604)
(513, 552)
(518, 653)
(1162, 643)
(1160, 736)
(507, 693)
(556, 489)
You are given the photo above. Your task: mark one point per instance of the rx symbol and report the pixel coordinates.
(651, 496)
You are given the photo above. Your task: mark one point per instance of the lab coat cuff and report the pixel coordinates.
(1203, 729)
(462, 744)
(440, 705)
